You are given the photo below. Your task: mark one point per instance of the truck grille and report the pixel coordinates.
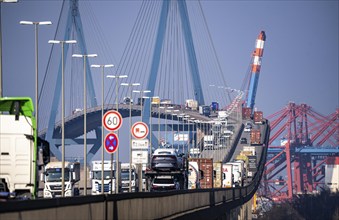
(56, 187)
(107, 187)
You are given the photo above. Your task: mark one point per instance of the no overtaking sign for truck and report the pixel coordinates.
(112, 120)
(139, 130)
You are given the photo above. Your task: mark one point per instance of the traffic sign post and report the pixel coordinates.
(112, 120)
(111, 143)
(139, 130)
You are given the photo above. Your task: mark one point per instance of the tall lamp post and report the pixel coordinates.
(102, 124)
(150, 122)
(36, 24)
(173, 114)
(130, 136)
(160, 107)
(84, 56)
(1, 1)
(141, 98)
(167, 109)
(116, 77)
(186, 117)
(62, 109)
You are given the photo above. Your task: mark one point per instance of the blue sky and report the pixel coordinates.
(300, 62)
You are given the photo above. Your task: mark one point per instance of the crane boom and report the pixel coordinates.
(256, 64)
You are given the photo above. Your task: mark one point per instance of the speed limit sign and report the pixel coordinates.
(112, 120)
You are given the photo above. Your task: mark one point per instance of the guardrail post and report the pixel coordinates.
(212, 198)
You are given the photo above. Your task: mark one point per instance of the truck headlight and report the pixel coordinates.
(68, 193)
(47, 194)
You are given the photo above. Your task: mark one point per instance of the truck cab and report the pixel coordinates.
(109, 180)
(125, 178)
(22, 153)
(52, 177)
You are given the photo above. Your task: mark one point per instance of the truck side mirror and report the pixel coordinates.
(73, 176)
(90, 174)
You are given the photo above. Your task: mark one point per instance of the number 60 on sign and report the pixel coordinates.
(112, 120)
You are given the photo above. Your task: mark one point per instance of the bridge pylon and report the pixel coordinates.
(73, 30)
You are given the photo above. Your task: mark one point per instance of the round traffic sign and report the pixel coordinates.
(139, 130)
(112, 120)
(111, 143)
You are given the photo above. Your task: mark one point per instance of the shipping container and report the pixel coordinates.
(215, 106)
(252, 165)
(193, 175)
(222, 114)
(155, 100)
(165, 102)
(255, 136)
(191, 104)
(258, 117)
(217, 174)
(332, 174)
(238, 172)
(141, 100)
(246, 113)
(205, 172)
(204, 110)
(227, 176)
(250, 149)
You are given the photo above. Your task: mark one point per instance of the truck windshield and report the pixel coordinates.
(54, 175)
(125, 175)
(107, 175)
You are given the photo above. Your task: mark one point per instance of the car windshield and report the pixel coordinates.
(54, 175)
(107, 175)
(163, 181)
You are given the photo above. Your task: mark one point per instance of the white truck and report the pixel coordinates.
(125, 178)
(22, 153)
(227, 180)
(193, 175)
(238, 172)
(95, 175)
(52, 177)
(208, 142)
(191, 104)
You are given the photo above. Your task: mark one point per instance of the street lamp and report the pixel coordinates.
(186, 117)
(150, 121)
(130, 136)
(116, 77)
(36, 24)
(173, 114)
(169, 107)
(102, 125)
(189, 121)
(62, 109)
(141, 96)
(182, 116)
(84, 56)
(160, 107)
(1, 1)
